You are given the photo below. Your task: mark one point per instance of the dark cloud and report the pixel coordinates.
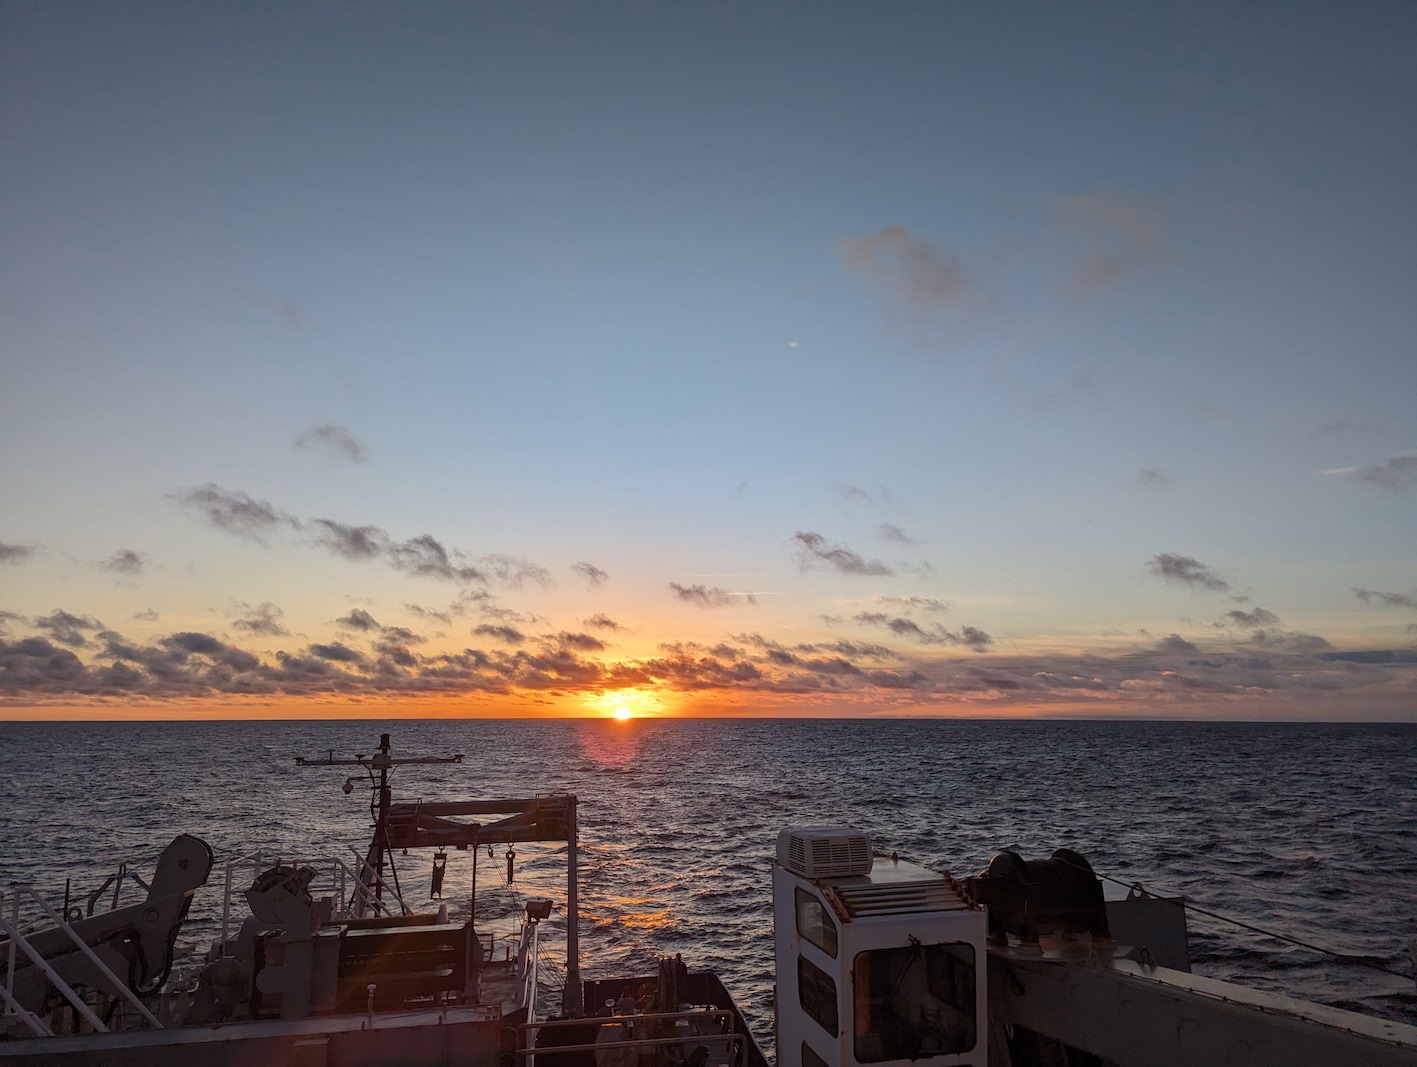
(592, 574)
(189, 641)
(331, 438)
(1387, 600)
(1186, 571)
(65, 628)
(181, 667)
(601, 621)
(1249, 620)
(234, 512)
(262, 620)
(394, 655)
(1153, 476)
(853, 649)
(425, 557)
(126, 562)
(1375, 655)
(146, 615)
(358, 619)
(906, 268)
(1289, 641)
(968, 636)
(891, 532)
(1176, 644)
(582, 642)
(1396, 474)
(814, 549)
(351, 542)
(337, 652)
(15, 554)
(709, 596)
(971, 637)
(509, 634)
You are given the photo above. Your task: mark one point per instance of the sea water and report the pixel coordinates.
(1305, 830)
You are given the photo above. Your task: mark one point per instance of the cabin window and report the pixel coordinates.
(810, 1058)
(914, 1001)
(817, 993)
(814, 924)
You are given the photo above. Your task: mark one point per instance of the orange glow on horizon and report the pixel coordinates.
(626, 704)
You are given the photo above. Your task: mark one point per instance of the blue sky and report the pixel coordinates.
(871, 359)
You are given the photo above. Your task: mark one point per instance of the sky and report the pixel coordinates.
(364, 359)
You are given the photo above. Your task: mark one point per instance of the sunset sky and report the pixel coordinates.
(811, 359)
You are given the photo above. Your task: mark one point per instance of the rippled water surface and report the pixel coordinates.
(1307, 830)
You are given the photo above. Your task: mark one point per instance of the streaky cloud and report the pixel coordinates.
(351, 542)
(813, 549)
(235, 512)
(929, 605)
(510, 634)
(709, 596)
(425, 557)
(1387, 600)
(1185, 570)
(968, 636)
(592, 575)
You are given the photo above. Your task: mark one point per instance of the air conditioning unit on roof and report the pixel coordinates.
(825, 852)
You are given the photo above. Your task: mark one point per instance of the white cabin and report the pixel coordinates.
(879, 961)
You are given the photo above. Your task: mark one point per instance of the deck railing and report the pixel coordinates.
(18, 942)
(732, 1042)
(334, 878)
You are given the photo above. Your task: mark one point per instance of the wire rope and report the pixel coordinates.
(1346, 957)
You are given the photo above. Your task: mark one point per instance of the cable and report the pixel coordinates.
(1360, 961)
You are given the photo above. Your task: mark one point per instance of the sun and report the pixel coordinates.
(622, 705)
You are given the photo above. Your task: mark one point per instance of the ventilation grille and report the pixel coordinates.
(825, 852)
(898, 898)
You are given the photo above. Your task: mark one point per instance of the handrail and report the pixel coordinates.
(119, 985)
(332, 873)
(64, 988)
(33, 1021)
(735, 1041)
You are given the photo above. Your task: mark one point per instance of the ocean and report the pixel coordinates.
(1306, 830)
